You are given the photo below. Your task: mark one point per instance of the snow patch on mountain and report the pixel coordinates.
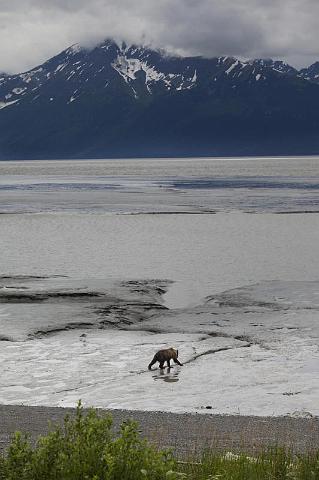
(27, 77)
(60, 67)
(19, 91)
(7, 104)
(310, 73)
(234, 65)
(74, 49)
(277, 65)
(128, 68)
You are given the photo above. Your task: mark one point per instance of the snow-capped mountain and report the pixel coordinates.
(143, 71)
(118, 100)
(311, 73)
(277, 65)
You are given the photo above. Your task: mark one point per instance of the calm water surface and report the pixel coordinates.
(185, 220)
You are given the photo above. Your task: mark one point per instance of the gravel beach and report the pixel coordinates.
(185, 433)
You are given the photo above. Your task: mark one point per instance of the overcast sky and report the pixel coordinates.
(31, 31)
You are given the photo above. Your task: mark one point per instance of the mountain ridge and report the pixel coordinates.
(128, 100)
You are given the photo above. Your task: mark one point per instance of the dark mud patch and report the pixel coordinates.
(221, 334)
(251, 341)
(148, 287)
(101, 304)
(222, 301)
(295, 212)
(52, 331)
(4, 338)
(215, 350)
(30, 277)
(197, 212)
(26, 297)
(128, 313)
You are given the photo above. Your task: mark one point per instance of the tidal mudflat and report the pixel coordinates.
(99, 270)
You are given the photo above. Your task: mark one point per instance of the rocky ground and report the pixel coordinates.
(184, 433)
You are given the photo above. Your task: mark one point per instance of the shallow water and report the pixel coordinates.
(203, 254)
(161, 186)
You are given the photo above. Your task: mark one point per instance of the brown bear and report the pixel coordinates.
(163, 356)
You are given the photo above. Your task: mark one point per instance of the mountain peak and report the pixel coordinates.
(276, 65)
(74, 49)
(311, 73)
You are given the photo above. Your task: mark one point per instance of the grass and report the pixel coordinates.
(86, 448)
(275, 464)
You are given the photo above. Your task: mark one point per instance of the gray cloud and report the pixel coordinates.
(33, 30)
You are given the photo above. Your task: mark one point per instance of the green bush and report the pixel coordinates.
(86, 449)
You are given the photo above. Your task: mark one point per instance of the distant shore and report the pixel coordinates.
(184, 433)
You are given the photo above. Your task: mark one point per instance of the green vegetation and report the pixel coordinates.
(276, 464)
(86, 448)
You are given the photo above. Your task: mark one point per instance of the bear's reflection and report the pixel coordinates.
(167, 374)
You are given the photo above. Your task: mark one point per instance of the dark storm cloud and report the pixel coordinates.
(33, 30)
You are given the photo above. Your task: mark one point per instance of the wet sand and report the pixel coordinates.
(185, 433)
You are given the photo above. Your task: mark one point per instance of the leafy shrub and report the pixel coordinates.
(85, 449)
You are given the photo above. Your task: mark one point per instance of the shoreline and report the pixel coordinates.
(186, 433)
